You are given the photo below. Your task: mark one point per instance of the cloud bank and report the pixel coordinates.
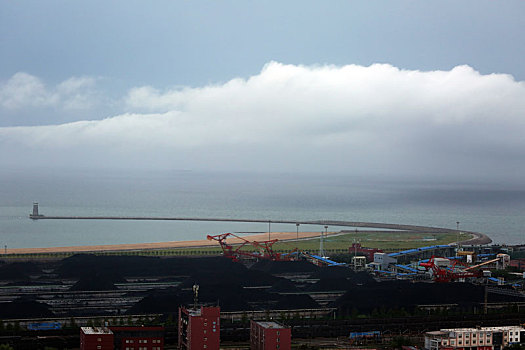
(375, 120)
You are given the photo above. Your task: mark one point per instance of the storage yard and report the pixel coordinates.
(316, 295)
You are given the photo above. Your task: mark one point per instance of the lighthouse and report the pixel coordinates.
(34, 215)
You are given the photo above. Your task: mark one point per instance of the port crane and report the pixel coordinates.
(450, 273)
(263, 249)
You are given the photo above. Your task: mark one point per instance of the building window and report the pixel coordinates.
(99, 347)
(278, 333)
(99, 339)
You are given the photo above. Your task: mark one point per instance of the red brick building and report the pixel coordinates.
(125, 338)
(199, 328)
(95, 338)
(139, 337)
(269, 336)
(518, 263)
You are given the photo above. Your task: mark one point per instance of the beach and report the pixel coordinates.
(282, 236)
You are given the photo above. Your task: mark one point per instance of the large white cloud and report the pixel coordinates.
(365, 120)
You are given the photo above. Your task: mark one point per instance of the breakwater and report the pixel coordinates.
(478, 238)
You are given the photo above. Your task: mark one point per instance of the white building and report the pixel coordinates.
(482, 338)
(382, 260)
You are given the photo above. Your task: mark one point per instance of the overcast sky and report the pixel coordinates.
(373, 88)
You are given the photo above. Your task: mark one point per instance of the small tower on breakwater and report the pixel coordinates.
(35, 215)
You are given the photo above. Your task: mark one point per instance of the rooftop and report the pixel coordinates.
(270, 324)
(482, 329)
(96, 330)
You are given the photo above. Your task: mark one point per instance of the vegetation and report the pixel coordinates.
(333, 244)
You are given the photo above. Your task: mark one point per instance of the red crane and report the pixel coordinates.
(450, 273)
(263, 248)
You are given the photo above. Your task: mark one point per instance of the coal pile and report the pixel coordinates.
(161, 301)
(333, 272)
(24, 308)
(296, 301)
(282, 267)
(283, 285)
(18, 271)
(407, 295)
(86, 264)
(244, 277)
(228, 297)
(361, 277)
(331, 284)
(98, 281)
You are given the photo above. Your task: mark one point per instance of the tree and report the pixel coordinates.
(399, 341)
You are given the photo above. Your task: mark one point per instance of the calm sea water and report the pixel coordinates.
(493, 209)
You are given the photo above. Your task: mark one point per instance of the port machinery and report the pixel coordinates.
(263, 249)
(454, 271)
(448, 270)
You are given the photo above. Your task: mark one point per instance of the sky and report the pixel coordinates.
(405, 89)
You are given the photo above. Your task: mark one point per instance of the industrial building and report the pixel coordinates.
(93, 338)
(125, 338)
(269, 335)
(199, 328)
(140, 337)
(482, 338)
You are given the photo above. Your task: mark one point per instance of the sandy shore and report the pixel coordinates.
(283, 236)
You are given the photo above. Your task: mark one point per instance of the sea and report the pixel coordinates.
(494, 209)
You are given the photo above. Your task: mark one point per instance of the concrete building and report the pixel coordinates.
(269, 336)
(382, 261)
(482, 338)
(138, 338)
(199, 328)
(95, 338)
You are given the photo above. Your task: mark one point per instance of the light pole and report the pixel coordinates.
(457, 234)
(297, 239)
(325, 234)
